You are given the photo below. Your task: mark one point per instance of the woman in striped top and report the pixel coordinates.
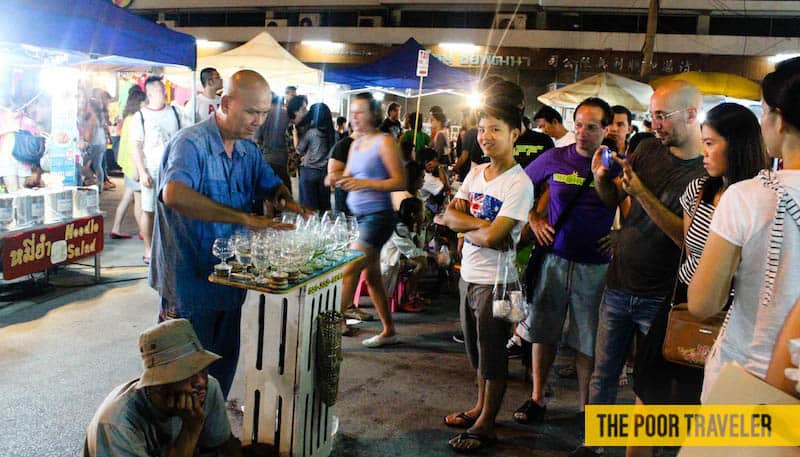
(732, 151)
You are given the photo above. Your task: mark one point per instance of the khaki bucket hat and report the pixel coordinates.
(171, 352)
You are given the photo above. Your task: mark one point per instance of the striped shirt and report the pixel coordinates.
(697, 235)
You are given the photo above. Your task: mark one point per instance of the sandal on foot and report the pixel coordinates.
(461, 420)
(465, 443)
(529, 412)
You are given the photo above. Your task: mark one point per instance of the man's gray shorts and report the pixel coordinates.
(562, 285)
(485, 337)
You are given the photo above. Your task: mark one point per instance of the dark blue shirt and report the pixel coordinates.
(182, 258)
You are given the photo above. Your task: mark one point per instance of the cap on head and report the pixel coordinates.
(171, 352)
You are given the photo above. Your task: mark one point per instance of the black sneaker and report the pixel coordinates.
(459, 338)
(584, 451)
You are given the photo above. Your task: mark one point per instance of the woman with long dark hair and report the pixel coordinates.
(733, 151)
(316, 140)
(133, 191)
(755, 242)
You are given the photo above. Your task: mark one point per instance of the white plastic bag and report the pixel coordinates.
(508, 300)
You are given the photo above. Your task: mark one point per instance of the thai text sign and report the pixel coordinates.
(422, 63)
(38, 249)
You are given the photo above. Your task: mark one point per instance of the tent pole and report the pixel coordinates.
(416, 121)
(194, 95)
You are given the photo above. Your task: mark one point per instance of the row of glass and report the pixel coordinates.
(278, 257)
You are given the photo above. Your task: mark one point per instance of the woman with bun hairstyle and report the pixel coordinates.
(490, 209)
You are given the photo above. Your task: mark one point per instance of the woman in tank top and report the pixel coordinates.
(373, 171)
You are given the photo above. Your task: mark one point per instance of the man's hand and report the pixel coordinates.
(630, 180)
(350, 184)
(254, 222)
(145, 179)
(598, 169)
(189, 408)
(295, 207)
(607, 243)
(542, 230)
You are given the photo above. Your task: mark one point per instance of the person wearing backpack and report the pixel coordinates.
(151, 130)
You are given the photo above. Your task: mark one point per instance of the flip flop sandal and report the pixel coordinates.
(465, 421)
(532, 411)
(482, 442)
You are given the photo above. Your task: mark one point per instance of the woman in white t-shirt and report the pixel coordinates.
(743, 231)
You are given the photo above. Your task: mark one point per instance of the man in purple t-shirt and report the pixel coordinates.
(572, 273)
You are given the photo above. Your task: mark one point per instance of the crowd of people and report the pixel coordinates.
(684, 213)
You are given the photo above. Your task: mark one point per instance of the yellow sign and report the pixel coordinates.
(707, 425)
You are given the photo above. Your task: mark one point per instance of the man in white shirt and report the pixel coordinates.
(550, 122)
(491, 208)
(208, 101)
(152, 128)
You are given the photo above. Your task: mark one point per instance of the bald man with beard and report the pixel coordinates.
(213, 177)
(643, 269)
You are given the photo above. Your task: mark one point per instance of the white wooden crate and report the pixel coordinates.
(279, 331)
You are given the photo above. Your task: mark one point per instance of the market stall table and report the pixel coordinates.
(282, 405)
(34, 249)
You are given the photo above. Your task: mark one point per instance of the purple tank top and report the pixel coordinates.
(367, 164)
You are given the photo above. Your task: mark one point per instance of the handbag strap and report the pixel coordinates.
(683, 245)
(786, 205)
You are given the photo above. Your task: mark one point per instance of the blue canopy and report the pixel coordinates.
(94, 31)
(398, 70)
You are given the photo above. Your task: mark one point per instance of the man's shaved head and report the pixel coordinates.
(245, 103)
(680, 95)
(674, 109)
(245, 81)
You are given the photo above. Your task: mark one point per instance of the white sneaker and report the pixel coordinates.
(378, 341)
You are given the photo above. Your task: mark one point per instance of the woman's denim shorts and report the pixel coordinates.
(375, 229)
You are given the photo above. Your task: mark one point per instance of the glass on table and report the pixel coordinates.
(223, 250)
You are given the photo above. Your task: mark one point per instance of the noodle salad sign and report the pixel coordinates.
(36, 250)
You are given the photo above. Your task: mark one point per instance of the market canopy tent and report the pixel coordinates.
(711, 83)
(266, 56)
(398, 70)
(93, 31)
(614, 89)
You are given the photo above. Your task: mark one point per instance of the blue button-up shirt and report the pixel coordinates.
(182, 258)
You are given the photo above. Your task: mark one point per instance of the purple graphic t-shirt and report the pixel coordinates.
(564, 170)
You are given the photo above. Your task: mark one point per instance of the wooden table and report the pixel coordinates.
(282, 406)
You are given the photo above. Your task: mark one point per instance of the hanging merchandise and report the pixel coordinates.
(508, 299)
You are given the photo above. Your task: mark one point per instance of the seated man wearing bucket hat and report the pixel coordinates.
(174, 409)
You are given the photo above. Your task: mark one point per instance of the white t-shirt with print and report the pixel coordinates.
(508, 195)
(744, 218)
(159, 127)
(566, 140)
(206, 106)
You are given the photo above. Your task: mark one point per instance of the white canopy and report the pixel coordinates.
(266, 56)
(614, 89)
